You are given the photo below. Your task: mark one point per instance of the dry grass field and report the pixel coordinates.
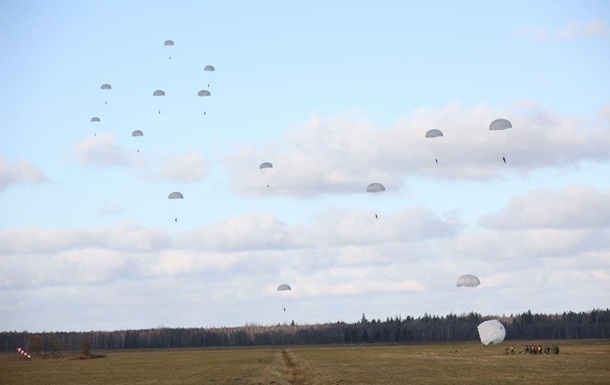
(579, 362)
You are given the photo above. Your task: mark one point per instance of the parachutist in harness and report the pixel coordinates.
(176, 219)
(504, 159)
(284, 309)
(436, 160)
(376, 217)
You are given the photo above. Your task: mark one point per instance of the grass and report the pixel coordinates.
(579, 362)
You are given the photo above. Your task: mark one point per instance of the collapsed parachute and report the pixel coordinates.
(491, 332)
(468, 280)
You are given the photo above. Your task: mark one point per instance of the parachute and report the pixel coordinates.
(168, 43)
(500, 124)
(95, 119)
(265, 165)
(209, 68)
(159, 93)
(175, 195)
(434, 133)
(284, 287)
(106, 86)
(137, 133)
(491, 332)
(468, 280)
(375, 187)
(204, 93)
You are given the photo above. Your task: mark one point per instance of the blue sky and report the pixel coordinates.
(336, 96)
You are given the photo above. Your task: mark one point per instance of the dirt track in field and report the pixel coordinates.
(298, 374)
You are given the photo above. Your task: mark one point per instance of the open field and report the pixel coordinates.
(579, 362)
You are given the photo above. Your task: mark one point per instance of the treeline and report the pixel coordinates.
(428, 328)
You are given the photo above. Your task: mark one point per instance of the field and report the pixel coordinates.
(579, 362)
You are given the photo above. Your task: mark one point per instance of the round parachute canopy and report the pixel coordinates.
(491, 332)
(204, 93)
(283, 287)
(468, 280)
(168, 43)
(265, 165)
(95, 119)
(106, 86)
(176, 195)
(137, 133)
(209, 68)
(159, 93)
(434, 133)
(500, 124)
(375, 187)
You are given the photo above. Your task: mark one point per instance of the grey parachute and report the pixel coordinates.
(106, 86)
(159, 93)
(209, 68)
(175, 195)
(168, 43)
(137, 133)
(204, 93)
(491, 332)
(434, 133)
(284, 287)
(95, 119)
(468, 280)
(265, 165)
(375, 187)
(500, 124)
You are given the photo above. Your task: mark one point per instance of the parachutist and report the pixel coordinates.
(267, 186)
(176, 219)
(436, 160)
(504, 159)
(284, 309)
(203, 113)
(159, 112)
(376, 217)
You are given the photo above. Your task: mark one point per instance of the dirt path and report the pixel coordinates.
(298, 374)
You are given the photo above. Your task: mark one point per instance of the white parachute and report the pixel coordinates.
(491, 332)
(468, 280)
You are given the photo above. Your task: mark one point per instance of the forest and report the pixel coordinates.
(426, 328)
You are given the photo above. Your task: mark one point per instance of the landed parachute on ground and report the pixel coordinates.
(468, 280)
(491, 332)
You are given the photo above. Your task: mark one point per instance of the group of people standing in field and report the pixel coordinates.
(535, 349)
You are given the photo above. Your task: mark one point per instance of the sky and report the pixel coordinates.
(336, 95)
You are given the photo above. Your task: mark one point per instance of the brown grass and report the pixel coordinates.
(579, 362)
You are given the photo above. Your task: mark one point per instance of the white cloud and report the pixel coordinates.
(576, 207)
(100, 151)
(342, 155)
(190, 167)
(572, 30)
(19, 172)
